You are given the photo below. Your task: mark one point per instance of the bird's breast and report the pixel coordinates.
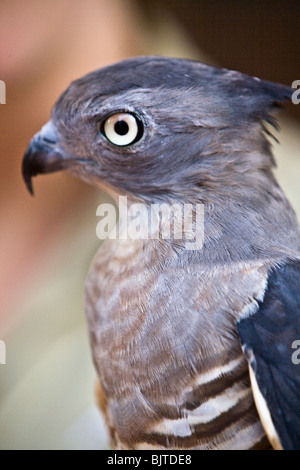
(166, 349)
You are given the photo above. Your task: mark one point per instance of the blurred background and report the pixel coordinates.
(47, 242)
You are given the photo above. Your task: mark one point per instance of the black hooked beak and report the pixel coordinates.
(42, 155)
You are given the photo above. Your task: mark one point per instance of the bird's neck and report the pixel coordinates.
(249, 221)
(223, 219)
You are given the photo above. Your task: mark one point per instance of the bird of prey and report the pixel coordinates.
(193, 348)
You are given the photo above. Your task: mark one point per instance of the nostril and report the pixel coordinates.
(48, 133)
(49, 141)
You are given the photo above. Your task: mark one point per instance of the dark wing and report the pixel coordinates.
(271, 343)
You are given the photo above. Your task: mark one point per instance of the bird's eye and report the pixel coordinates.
(122, 129)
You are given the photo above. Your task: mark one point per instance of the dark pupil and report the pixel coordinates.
(121, 127)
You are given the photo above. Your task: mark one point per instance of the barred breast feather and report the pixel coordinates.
(171, 368)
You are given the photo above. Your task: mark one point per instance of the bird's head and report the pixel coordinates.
(155, 127)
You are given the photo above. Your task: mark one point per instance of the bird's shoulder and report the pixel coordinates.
(271, 342)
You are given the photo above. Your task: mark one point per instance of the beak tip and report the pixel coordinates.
(27, 177)
(29, 186)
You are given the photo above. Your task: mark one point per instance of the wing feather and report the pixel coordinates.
(267, 339)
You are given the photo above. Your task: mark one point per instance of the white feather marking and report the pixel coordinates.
(264, 413)
(205, 413)
(245, 438)
(213, 374)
